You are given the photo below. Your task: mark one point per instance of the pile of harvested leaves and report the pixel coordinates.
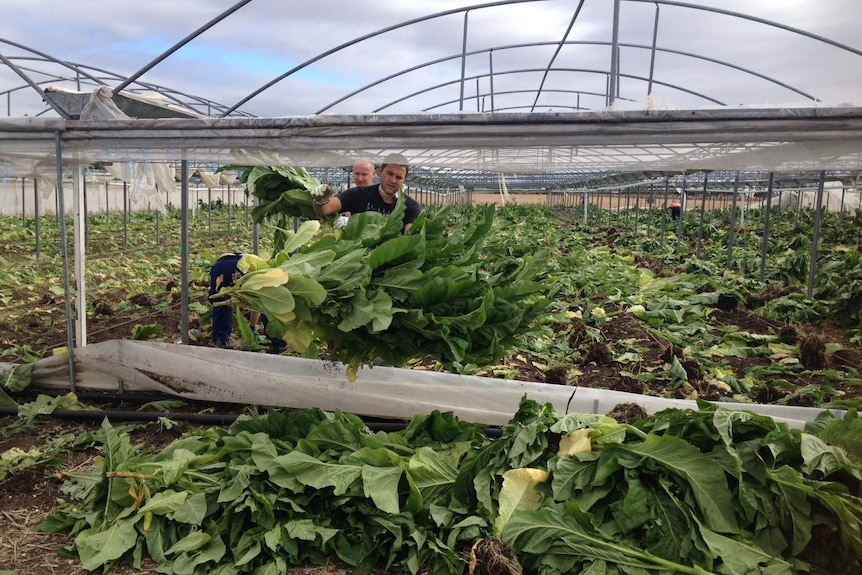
(683, 491)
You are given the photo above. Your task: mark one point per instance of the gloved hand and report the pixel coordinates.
(321, 194)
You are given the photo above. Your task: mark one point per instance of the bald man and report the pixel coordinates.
(363, 175)
(363, 172)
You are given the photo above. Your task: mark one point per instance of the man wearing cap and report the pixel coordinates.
(374, 198)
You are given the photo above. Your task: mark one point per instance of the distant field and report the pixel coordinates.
(521, 199)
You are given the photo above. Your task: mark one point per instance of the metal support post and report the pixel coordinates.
(818, 213)
(765, 245)
(64, 251)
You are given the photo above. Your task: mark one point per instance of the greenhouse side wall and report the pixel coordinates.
(18, 197)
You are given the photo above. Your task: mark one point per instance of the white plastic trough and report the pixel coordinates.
(218, 375)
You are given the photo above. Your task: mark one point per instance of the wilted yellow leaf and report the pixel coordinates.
(271, 277)
(251, 263)
(519, 492)
(577, 441)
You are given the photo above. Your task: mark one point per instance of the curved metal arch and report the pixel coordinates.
(25, 86)
(671, 3)
(180, 44)
(525, 70)
(504, 92)
(371, 35)
(772, 23)
(679, 52)
(33, 84)
(181, 98)
(54, 77)
(178, 97)
(557, 53)
(573, 43)
(720, 63)
(532, 107)
(70, 65)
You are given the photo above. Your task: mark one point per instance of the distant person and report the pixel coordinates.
(371, 198)
(363, 172)
(224, 273)
(675, 209)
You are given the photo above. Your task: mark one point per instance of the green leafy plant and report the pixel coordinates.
(283, 192)
(687, 491)
(145, 332)
(372, 292)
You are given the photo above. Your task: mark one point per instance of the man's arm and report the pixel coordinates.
(323, 200)
(329, 206)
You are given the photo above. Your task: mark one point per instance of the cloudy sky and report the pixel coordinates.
(706, 58)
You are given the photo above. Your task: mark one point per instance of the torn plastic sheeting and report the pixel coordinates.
(210, 179)
(227, 376)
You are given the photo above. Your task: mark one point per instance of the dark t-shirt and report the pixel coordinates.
(367, 199)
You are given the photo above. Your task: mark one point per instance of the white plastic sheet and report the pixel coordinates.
(210, 179)
(218, 375)
(144, 178)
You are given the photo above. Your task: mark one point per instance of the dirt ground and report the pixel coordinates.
(28, 497)
(608, 201)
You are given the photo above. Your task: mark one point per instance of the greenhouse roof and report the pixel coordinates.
(573, 145)
(565, 94)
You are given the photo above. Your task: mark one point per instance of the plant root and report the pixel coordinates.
(491, 556)
(812, 350)
(627, 413)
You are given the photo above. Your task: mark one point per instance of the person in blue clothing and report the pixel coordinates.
(675, 209)
(374, 198)
(224, 273)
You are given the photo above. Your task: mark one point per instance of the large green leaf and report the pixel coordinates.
(739, 557)
(397, 250)
(434, 471)
(191, 542)
(381, 485)
(347, 271)
(97, 548)
(302, 236)
(308, 264)
(318, 474)
(306, 289)
(519, 493)
(375, 313)
(165, 502)
(703, 477)
(276, 300)
(557, 541)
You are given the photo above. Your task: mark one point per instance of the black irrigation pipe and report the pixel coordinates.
(122, 415)
(119, 397)
(203, 418)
